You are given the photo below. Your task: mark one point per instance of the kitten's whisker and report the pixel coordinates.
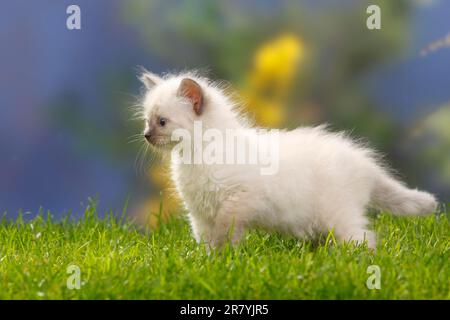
(140, 158)
(127, 94)
(136, 138)
(137, 158)
(137, 113)
(144, 158)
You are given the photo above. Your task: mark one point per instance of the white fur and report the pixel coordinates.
(326, 181)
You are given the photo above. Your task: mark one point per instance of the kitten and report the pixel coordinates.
(325, 181)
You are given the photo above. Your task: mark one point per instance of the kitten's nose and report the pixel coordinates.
(147, 136)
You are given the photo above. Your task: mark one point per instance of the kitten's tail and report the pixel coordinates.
(391, 195)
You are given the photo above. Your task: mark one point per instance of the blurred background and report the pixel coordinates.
(65, 95)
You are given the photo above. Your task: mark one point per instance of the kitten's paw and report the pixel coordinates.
(360, 237)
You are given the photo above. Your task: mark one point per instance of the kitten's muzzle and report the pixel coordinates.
(148, 137)
(149, 134)
(153, 138)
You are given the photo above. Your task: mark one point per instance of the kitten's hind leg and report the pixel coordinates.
(351, 226)
(357, 235)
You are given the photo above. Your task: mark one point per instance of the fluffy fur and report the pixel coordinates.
(326, 181)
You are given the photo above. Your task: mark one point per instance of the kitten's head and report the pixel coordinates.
(171, 103)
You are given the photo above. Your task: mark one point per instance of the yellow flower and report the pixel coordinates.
(267, 112)
(269, 81)
(159, 175)
(276, 61)
(271, 114)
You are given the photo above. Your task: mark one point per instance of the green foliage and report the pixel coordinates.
(105, 129)
(119, 261)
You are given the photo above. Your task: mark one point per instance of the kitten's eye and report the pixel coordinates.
(162, 122)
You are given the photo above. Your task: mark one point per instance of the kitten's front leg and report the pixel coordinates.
(225, 227)
(201, 228)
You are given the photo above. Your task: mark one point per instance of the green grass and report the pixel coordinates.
(117, 260)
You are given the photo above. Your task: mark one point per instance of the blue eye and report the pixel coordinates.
(162, 121)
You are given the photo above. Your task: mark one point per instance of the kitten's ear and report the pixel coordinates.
(191, 90)
(150, 79)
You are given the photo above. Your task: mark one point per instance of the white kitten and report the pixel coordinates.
(325, 181)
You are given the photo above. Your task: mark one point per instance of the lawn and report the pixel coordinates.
(118, 260)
